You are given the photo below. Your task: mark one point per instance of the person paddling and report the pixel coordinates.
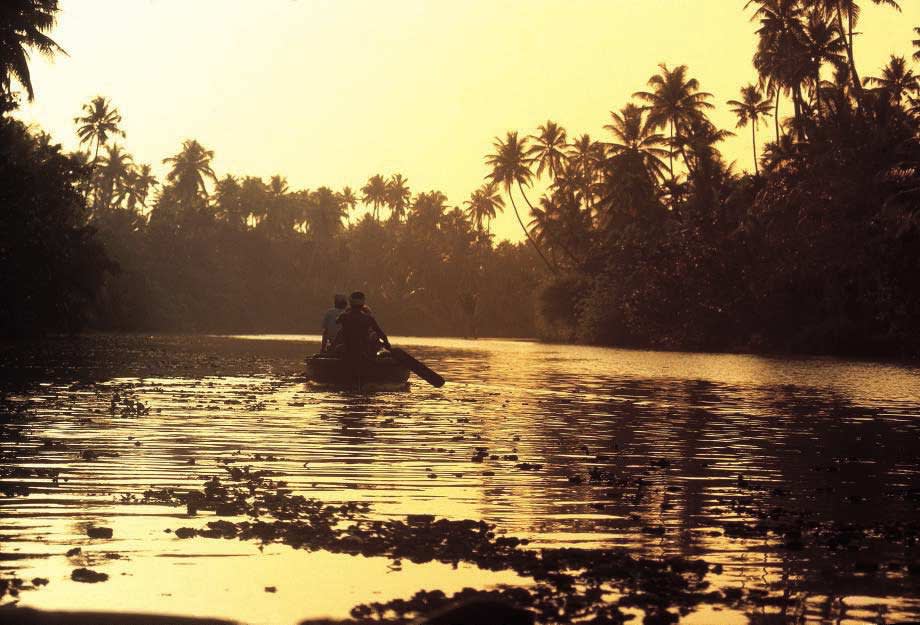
(357, 325)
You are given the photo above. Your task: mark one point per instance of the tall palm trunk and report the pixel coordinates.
(847, 33)
(562, 244)
(754, 141)
(776, 117)
(527, 232)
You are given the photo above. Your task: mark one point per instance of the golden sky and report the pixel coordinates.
(329, 92)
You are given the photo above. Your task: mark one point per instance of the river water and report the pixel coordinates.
(659, 453)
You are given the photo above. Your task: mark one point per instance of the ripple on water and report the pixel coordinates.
(655, 452)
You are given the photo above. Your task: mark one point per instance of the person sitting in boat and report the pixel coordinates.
(360, 334)
(330, 325)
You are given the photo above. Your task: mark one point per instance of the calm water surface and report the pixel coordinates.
(655, 452)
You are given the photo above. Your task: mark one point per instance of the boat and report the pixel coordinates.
(381, 372)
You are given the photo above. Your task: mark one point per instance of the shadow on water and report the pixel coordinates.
(796, 480)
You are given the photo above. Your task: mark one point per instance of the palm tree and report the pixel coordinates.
(398, 196)
(349, 201)
(548, 150)
(896, 80)
(511, 165)
(675, 101)
(633, 130)
(99, 121)
(484, 204)
(328, 210)
(375, 194)
(23, 24)
(114, 170)
(752, 108)
(849, 11)
(137, 186)
(429, 208)
(822, 43)
(779, 59)
(191, 168)
(584, 154)
(697, 144)
(916, 43)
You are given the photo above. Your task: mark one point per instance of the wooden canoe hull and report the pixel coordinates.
(346, 373)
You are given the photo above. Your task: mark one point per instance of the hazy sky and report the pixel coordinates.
(329, 92)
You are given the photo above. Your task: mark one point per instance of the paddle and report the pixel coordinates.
(417, 368)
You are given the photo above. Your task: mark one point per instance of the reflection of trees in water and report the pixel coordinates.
(727, 449)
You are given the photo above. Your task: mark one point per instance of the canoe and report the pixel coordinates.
(334, 370)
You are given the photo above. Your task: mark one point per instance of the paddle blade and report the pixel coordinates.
(417, 368)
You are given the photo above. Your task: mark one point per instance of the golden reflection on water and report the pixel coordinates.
(683, 433)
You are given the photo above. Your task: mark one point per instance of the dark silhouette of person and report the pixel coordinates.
(330, 322)
(360, 333)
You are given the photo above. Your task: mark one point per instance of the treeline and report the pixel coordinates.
(647, 237)
(653, 240)
(237, 254)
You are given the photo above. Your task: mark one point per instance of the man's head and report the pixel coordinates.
(340, 301)
(356, 299)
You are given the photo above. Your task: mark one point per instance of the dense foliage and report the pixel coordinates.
(653, 240)
(646, 239)
(51, 264)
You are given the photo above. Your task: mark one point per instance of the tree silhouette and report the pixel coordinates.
(114, 169)
(484, 204)
(23, 24)
(349, 201)
(375, 194)
(751, 109)
(584, 155)
(674, 101)
(511, 165)
(398, 196)
(190, 171)
(896, 81)
(548, 149)
(99, 121)
(633, 129)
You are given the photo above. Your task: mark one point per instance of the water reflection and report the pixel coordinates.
(661, 453)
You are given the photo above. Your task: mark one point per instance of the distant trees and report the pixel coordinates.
(100, 120)
(751, 109)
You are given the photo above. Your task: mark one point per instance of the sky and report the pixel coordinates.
(330, 92)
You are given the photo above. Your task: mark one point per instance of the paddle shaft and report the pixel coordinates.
(417, 367)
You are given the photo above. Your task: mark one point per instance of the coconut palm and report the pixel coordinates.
(428, 208)
(548, 149)
(847, 13)
(822, 43)
(916, 43)
(751, 109)
(398, 196)
(375, 194)
(137, 186)
(114, 169)
(23, 24)
(349, 201)
(484, 204)
(674, 101)
(896, 80)
(99, 121)
(191, 169)
(779, 58)
(584, 156)
(511, 165)
(697, 143)
(633, 130)
(327, 212)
